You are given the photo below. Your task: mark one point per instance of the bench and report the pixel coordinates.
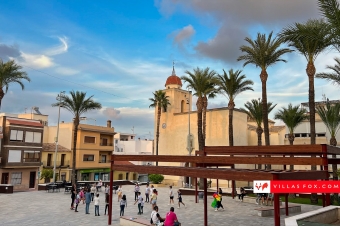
(134, 221)
(269, 211)
(248, 199)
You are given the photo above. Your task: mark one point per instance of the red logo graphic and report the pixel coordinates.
(265, 185)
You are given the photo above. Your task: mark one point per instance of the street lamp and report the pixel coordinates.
(56, 139)
(189, 140)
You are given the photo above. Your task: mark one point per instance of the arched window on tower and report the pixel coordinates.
(182, 106)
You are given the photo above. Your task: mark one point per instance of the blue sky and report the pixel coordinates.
(122, 51)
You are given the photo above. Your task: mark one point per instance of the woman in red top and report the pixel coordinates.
(171, 218)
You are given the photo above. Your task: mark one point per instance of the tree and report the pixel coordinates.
(46, 174)
(10, 73)
(159, 101)
(292, 117)
(330, 115)
(254, 111)
(331, 11)
(309, 39)
(231, 84)
(77, 104)
(202, 82)
(156, 178)
(333, 77)
(263, 52)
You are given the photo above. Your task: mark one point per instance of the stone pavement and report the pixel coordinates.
(42, 208)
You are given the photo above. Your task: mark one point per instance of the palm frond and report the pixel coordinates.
(330, 115)
(333, 77)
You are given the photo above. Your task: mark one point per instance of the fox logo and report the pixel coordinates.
(262, 186)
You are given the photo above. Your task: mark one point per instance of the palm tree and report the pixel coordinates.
(263, 52)
(292, 117)
(202, 82)
(309, 39)
(159, 101)
(232, 85)
(77, 104)
(10, 73)
(331, 118)
(254, 111)
(331, 10)
(333, 77)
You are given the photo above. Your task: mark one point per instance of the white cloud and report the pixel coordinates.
(184, 34)
(62, 48)
(111, 113)
(66, 71)
(36, 61)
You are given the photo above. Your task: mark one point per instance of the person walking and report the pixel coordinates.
(142, 205)
(242, 194)
(179, 197)
(93, 190)
(171, 195)
(136, 191)
(171, 218)
(219, 202)
(147, 193)
(107, 203)
(123, 204)
(99, 185)
(96, 205)
(119, 193)
(87, 201)
(82, 195)
(139, 201)
(154, 198)
(73, 195)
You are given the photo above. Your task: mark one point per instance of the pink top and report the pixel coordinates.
(170, 219)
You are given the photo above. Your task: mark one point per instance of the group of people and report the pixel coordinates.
(91, 194)
(88, 195)
(265, 198)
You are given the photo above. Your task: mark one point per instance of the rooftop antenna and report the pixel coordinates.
(133, 129)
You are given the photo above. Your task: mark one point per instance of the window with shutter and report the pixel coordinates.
(37, 137)
(89, 139)
(29, 137)
(14, 156)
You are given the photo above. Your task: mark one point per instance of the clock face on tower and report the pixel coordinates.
(164, 125)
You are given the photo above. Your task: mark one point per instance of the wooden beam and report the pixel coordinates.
(227, 174)
(333, 150)
(333, 160)
(272, 149)
(302, 175)
(221, 160)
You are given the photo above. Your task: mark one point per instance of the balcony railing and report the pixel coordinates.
(58, 163)
(106, 144)
(31, 160)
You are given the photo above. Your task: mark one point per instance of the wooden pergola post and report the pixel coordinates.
(286, 204)
(111, 190)
(205, 196)
(325, 167)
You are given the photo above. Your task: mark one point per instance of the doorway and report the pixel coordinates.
(32, 180)
(49, 159)
(4, 178)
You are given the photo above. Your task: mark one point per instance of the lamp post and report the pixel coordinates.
(56, 139)
(189, 148)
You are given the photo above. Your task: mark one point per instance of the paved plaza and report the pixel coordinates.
(42, 208)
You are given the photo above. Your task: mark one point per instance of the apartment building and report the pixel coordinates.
(20, 154)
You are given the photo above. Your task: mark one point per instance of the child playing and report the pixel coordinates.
(107, 204)
(96, 205)
(82, 195)
(171, 195)
(179, 197)
(142, 205)
(123, 204)
(77, 200)
(139, 201)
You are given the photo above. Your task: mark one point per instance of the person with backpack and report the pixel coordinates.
(156, 219)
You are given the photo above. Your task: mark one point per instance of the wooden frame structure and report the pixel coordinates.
(227, 156)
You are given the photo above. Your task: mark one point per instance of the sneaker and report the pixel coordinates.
(216, 210)
(178, 207)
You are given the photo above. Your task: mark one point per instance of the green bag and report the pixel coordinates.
(214, 203)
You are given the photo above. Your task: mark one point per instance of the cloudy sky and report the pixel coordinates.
(122, 51)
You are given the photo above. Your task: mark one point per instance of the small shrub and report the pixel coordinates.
(156, 178)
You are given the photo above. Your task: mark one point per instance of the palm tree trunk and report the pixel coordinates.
(204, 117)
(259, 132)
(2, 94)
(291, 142)
(264, 77)
(199, 105)
(159, 112)
(310, 70)
(333, 142)
(231, 106)
(74, 155)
